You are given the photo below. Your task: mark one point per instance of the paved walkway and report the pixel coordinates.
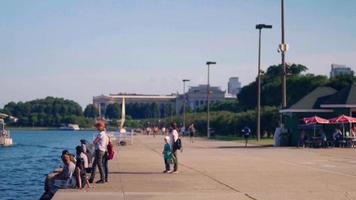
(225, 170)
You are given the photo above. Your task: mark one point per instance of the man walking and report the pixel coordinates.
(174, 138)
(100, 142)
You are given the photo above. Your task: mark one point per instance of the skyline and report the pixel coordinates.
(80, 49)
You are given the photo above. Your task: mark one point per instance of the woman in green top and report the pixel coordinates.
(167, 154)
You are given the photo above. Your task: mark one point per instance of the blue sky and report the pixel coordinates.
(78, 49)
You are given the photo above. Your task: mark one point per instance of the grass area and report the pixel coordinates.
(252, 140)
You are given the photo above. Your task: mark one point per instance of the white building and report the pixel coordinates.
(197, 96)
(337, 69)
(233, 86)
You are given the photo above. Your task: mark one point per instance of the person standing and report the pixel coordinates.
(100, 142)
(246, 133)
(174, 138)
(167, 154)
(192, 133)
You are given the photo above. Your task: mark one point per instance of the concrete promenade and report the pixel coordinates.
(225, 170)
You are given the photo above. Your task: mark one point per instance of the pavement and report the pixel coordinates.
(210, 169)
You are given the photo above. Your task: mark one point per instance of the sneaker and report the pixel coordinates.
(170, 171)
(165, 171)
(100, 181)
(91, 180)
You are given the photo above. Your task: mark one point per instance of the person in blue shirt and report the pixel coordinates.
(246, 134)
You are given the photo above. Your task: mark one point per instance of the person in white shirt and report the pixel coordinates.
(100, 142)
(173, 138)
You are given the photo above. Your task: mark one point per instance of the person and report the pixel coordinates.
(81, 168)
(337, 137)
(100, 143)
(167, 154)
(106, 161)
(246, 134)
(191, 133)
(174, 138)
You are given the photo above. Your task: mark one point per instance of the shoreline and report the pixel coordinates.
(45, 129)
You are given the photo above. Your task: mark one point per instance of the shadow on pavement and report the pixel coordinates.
(135, 172)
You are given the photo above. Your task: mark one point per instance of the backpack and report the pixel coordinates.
(111, 151)
(178, 144)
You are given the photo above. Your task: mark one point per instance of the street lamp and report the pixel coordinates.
(207, 98)
(258, 126)
(283, 48)
(184, 101)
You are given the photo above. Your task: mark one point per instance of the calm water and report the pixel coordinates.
(23, 167)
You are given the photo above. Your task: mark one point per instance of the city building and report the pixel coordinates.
(102, 101)
(233, 86)
(337, 69)
(197, 96)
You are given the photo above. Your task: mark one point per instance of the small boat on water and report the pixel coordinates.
(5, 137)
(70, 127)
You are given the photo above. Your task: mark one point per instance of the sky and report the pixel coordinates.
(77, 49)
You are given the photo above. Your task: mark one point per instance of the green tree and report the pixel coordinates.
(91, 111)
(113, 111)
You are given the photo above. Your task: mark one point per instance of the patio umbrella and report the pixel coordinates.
(315, 120)
(342, 119)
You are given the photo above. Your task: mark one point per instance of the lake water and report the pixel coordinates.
(24, 166)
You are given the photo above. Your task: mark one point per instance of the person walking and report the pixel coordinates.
(246, 133)
(100, 142)
(167, 154)
(174, 136)
(192, 133)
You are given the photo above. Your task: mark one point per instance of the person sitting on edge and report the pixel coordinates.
(167, 154)
(81, 168)
(100, 142)
(65, 179)
(246, 133)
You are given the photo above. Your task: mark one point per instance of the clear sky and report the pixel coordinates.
(78, 49)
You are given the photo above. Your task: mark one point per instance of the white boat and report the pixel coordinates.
(5, 137)
(70, 127)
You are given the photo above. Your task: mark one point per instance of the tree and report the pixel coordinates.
(113, 111)
(91, 111)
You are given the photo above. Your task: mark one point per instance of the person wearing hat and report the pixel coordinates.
(100, 142)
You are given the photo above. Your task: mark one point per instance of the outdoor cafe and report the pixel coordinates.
(336, 132)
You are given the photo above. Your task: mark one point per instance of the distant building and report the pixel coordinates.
(102, 101)
(197, 96)
(233, 86)
(337, 69)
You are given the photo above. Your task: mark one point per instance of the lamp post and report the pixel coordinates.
(207, 98)
(184, 101)
(283, 48)
(258, 126)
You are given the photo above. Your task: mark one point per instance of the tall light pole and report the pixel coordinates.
(283, 47)
(184, 101)
(207, 98)
(258, 126)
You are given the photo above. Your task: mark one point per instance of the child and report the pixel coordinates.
(167, 154)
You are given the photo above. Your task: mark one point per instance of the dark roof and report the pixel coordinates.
(313, 99)
(345, 96)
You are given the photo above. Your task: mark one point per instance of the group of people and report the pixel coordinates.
(337, 139)
(73, 173)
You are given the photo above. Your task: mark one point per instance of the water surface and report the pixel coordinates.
(23, 166)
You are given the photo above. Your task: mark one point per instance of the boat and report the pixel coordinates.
(5, 137)
(70, 127)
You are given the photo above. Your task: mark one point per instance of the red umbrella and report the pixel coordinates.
(315, 120)
(343, 119)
